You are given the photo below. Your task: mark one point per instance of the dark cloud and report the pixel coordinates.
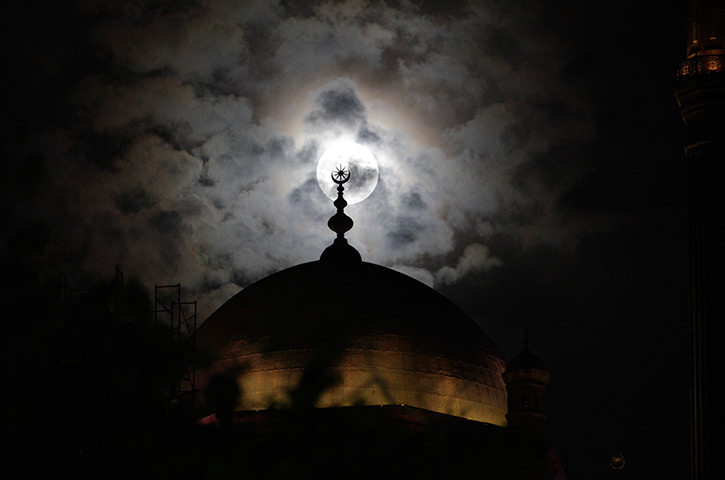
(367, 136)
(413, 201)
(168, 223)
(306, 198)
(404, 231)
(363, 176)
(452, 8)
(204, 179)
(549, 171)
(501, 43)
(134, 200)
(309, 153)
(337, 103)
(103, 149)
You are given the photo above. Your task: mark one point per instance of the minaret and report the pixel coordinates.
(700, 89)
(526, 378)
(700, 92)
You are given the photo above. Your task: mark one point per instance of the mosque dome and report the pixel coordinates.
(351, 333)
(340, 332)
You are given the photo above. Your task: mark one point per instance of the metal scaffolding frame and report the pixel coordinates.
(169, 310)
(181, 318)
(65, 292)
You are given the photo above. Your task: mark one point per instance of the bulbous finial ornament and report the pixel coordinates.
(340, 223)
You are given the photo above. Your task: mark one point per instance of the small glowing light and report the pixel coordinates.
(617, 462)
(714, 66)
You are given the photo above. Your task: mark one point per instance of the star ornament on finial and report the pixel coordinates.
(340, 175)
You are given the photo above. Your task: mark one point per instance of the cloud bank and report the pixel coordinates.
(188, 144)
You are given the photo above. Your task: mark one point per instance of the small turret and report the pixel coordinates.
(526, 378)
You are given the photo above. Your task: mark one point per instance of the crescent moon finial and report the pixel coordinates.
(340, 175)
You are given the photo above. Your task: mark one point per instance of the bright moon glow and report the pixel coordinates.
(358, 160)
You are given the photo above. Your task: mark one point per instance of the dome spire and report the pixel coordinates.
(340, 250)
(339, 222)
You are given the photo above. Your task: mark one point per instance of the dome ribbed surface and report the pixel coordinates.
(325, 335)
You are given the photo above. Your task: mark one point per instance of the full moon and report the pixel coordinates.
(358, 160)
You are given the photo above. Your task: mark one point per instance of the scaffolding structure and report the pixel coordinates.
(180, 317)
(66, 292)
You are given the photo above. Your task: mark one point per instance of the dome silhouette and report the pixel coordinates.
(327, 334)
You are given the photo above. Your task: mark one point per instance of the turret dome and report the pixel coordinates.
(526, 360)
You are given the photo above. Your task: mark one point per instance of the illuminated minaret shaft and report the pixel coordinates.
(705, 26)
(700, 92)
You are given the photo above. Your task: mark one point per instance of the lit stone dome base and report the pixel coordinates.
(369, 377)
(297, 338)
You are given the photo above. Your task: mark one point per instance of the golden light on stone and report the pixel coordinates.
(375, 376)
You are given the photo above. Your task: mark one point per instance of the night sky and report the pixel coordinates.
(530, 156)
